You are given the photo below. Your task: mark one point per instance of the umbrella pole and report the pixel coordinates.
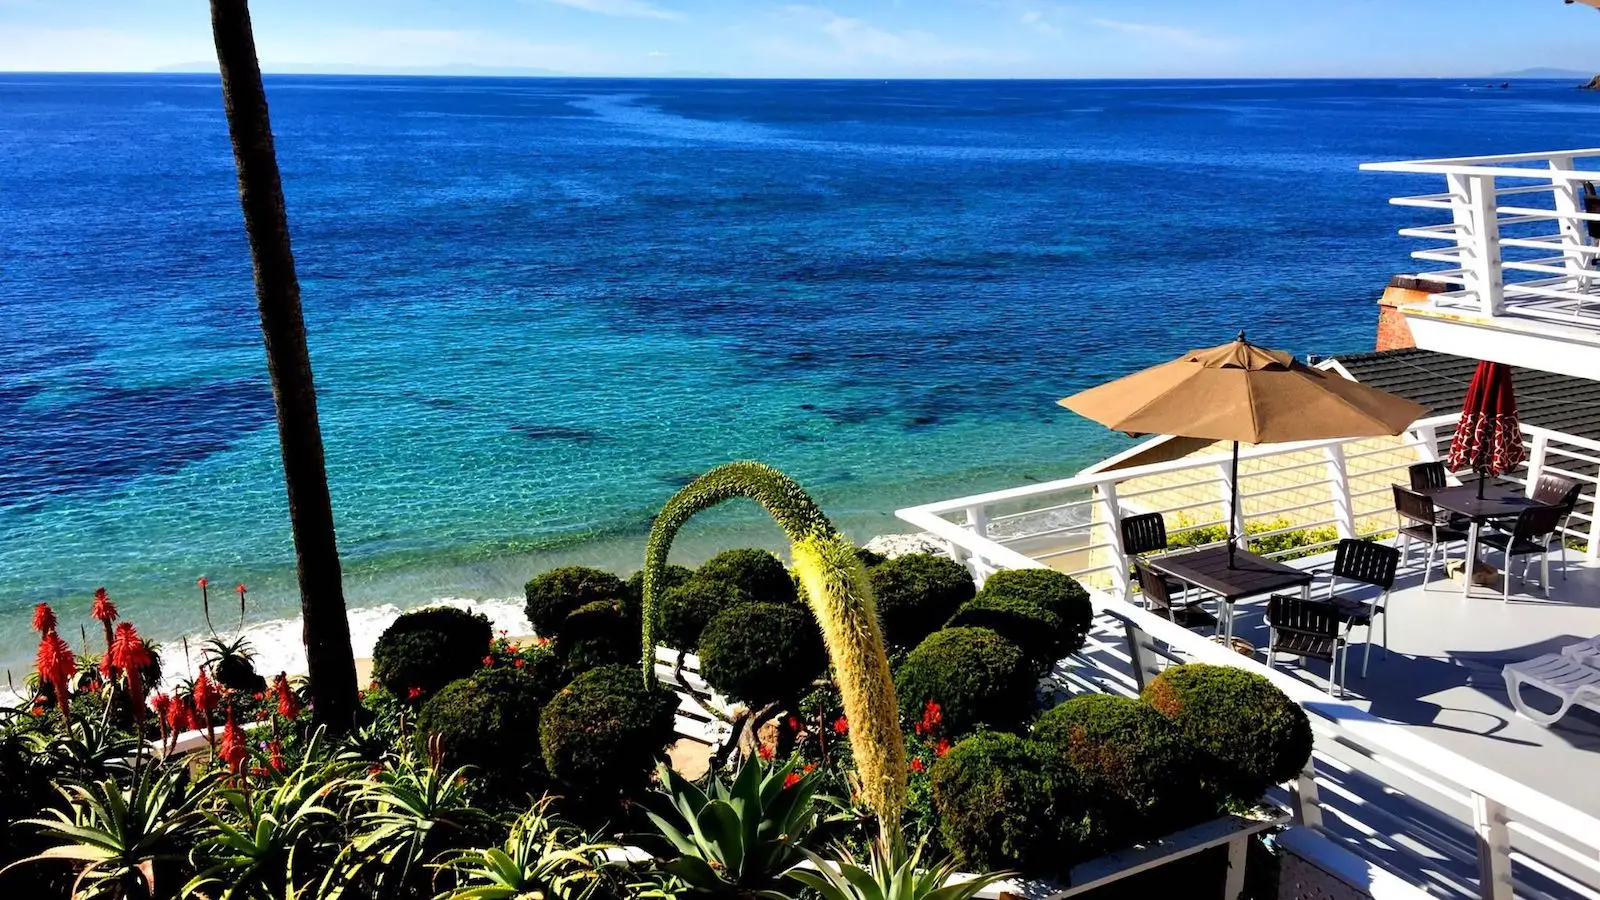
(1233, 505)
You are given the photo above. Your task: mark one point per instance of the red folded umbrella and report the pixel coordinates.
(1488, 438)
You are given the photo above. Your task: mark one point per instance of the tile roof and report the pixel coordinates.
(1439, 382)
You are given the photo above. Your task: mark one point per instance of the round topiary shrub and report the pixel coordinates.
(917, 593)
(601, 734)
(427, 649)
(555, 594)
(490, 721)
(995, 799)
(756, 653)
(683, 611)
(1040, 633)
(755, 573)
(1253, 735)
(1141, 778)
(671, 576)
(1050, 589)
(976, 676)
(602, 633)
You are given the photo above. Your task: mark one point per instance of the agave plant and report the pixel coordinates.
(840, 595)
(543, 857)
(232, 663)
(413, 811)
(122, 838)
(738, 839)
(90, 749)
(265, 843)
(889, 874)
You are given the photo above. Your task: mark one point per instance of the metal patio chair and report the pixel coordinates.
(1309, 629)
(1363, 565)
(1420, 521)
(1534, 529)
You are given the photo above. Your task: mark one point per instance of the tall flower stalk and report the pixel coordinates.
(840, 596)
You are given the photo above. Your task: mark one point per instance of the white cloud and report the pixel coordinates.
(1038, 21)
(826, 39)
(30, 49)
(1169, 36)
(623, 9)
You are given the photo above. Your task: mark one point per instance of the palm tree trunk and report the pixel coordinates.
(329, 659)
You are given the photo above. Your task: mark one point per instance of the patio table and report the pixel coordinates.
(1249, 576)
(1497, 503)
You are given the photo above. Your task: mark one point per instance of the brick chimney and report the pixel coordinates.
(1393, 331)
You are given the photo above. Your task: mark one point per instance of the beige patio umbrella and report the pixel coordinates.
(1241, 392)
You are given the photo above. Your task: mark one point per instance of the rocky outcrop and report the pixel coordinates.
(892, 545)
(1593, 85)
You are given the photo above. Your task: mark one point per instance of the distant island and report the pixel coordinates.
(1543, 73)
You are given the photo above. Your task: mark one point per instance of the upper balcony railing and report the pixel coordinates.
(1522, 237)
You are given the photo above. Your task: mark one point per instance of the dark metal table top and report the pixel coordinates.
(1249, 576)
(1498, 502)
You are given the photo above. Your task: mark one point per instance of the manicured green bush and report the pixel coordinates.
(1050, 589)
(995, 795)
(1252, 733)
(1141, 778)
(671, 577)
(976, 676)
(1040, 633)
(683, 611)
(756, 653)
(601, 734)
(490, 721)
(555, 594)
(757, 574)
(601, 633)
(870, 558)
(427, 649)
(916, 593)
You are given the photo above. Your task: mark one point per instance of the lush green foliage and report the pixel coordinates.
(426, 649)
(734, 839)
(1051, 590)
(602, 633)
(1140, 777)
(543, 857)
(756, 574)
(1251, 733)
(491, 721)
(684, 610)
(671, 576)
(995, 795)
(601, 734)
(555, 594)
(889, 873)
(756, 653)
(975, 676)
(1039, 633)
(233, 664)
(1286, 543)
(916, 593)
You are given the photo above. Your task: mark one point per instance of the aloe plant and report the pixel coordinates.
(121, 838)
(890, 873)
(738, 839)
(840, 596)
(543, 857)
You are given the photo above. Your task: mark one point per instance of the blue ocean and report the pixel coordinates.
(538, 307)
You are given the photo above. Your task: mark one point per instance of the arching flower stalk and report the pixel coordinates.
(840, 596)
(206, 697)
(240, 590)
(205, 602)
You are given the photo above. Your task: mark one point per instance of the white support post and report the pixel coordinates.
(978, 520)
(1494, 848)
(1568, 200)
(1592, 554)
(1121, 583)
(1536, 455)
(1339, 487)
(1307, 806)
(1228, 509)
(1483, 262)
(1238, 855)
(1425, 438)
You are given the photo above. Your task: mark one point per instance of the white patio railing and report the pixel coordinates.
(1518, 237)
(1522, 843)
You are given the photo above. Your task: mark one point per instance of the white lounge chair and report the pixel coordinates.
(1565, 677)
(1586, 652)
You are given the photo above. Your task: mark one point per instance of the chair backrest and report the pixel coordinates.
(1556, 490)
(1414, 506)
(1297, 616)
(1144, 533)
(1535, 522)
(1153, 586)
(1426, 476)
(1366, 562)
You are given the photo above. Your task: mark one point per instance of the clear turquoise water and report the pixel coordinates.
(539, 306)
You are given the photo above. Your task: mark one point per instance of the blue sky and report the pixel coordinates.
(826, 38)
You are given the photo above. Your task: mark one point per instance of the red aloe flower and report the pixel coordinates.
(103, 608)
(942, 747)
(233, 750)
(129, 654)
(765, 752)
(56, 667)
(206, 695)
(275, 756)
(288, 703)
(791, 779)
(180, 716)
(841, 725)
(44, 618)
(917, 765)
